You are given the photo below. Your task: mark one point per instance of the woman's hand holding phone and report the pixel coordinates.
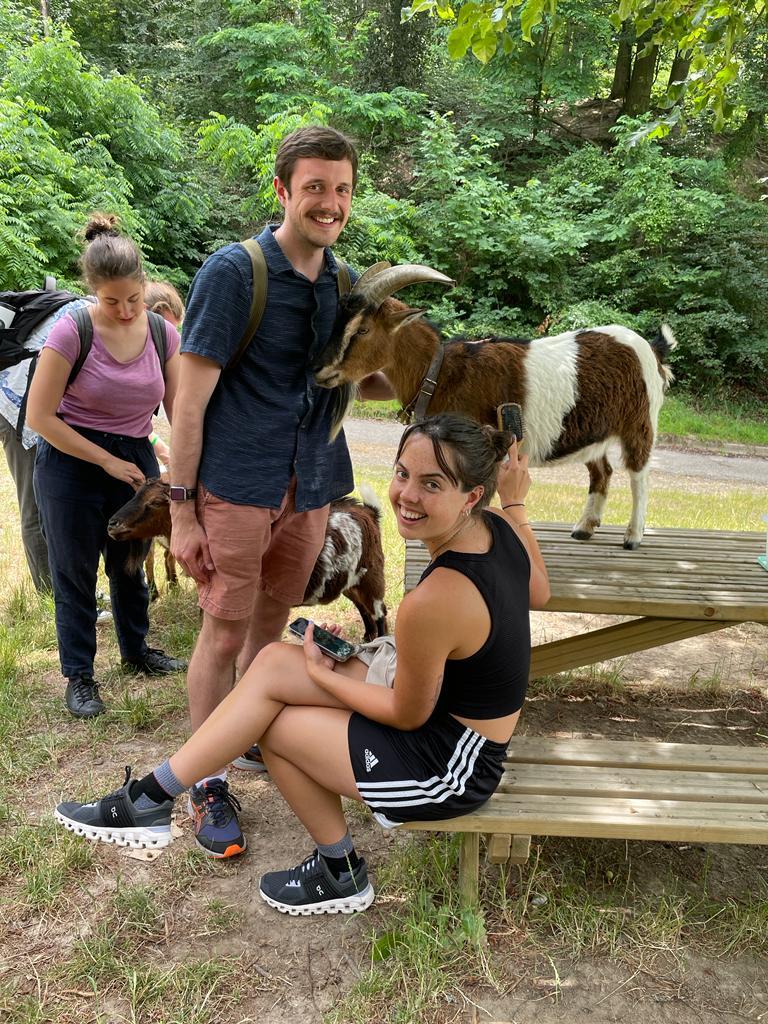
(312, 652)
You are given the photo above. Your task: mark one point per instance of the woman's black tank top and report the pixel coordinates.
(492, 682)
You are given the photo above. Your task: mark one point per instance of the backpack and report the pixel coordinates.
(259, 299)
(31, 309)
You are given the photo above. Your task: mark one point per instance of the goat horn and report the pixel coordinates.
(367, 275)
(387, 282)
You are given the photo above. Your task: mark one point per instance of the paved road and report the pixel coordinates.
(374, 442)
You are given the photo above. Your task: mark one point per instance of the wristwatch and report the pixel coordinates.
(178, 493)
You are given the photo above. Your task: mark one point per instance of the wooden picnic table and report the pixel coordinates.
(678, 584)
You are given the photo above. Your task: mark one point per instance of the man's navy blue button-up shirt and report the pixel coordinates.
(266, 418)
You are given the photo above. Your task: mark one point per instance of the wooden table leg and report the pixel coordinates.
(469, 868)
(616, 641)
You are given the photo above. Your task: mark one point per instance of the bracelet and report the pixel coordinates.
(514, 504)
(153, 439)
(526, 523)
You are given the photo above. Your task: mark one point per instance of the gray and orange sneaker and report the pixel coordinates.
(214, 809)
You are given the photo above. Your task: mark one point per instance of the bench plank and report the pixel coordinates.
(646, 784)
(677, 821)
(705, 757)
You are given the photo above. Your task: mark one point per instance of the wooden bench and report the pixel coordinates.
(610, 789)
(680, 583)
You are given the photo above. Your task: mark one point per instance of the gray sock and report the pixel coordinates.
(335, 850)
(169, 782)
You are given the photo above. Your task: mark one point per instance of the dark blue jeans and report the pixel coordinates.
(76, 500)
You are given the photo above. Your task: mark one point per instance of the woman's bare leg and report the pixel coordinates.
(276, 678)
(307, 753)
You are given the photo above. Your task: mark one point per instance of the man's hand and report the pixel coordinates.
(189, 545)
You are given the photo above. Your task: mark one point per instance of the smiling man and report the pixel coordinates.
(252, 467)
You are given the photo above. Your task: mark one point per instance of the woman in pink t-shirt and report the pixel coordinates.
(93, 454)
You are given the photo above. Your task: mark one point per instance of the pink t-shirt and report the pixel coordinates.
(108, 395)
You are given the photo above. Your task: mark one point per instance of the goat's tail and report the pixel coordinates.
(344, 396)
(662, 345)
(370, 499)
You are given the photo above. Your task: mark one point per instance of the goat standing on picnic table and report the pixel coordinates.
(579, 391)
(351, 561)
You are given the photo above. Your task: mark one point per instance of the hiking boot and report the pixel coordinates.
(217, 830)
(154, 662)
(116, 819)
(251, 760)
(82, 697)
(310, 888)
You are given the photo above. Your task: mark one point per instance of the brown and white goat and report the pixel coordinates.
(580, 391)
(351, 561)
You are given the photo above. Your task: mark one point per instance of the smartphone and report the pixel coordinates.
(329, 643)
(510, 417)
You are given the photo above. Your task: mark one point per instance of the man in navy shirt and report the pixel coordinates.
(253, 471)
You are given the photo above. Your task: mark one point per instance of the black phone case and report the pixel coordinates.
(512, 419)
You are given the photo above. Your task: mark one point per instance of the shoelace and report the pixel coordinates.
(85, 689)
(221, 803)
(307, 865)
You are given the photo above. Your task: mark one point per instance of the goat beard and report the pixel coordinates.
(344, 397)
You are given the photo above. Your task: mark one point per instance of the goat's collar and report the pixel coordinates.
(419, 404)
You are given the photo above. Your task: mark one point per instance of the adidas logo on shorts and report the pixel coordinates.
(370, 760)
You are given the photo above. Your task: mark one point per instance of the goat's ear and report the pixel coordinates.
(403, 317)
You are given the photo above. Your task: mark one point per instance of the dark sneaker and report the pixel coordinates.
(214, 809)
(116, 819)
(251, 761)
(82, 697)
(310, 888)
(155, 663)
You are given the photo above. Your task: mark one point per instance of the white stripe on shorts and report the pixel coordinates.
(428, 791)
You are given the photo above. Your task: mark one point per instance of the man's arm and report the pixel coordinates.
(198, 377)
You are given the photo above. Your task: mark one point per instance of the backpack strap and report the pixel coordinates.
(259, 296)
(84, 326)
(343, 279)
(159, 337)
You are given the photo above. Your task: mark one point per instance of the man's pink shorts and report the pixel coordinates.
(269, 549)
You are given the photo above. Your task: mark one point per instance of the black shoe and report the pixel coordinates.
(116, 819)
(310, 888)
(82, 697)
(154, 662)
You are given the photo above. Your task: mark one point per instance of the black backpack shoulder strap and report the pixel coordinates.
(258, 297)
(84, 326)
(159, 336)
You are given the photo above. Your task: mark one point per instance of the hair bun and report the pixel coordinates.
(499, 440)
(101, 224)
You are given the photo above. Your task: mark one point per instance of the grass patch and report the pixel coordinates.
(714, 418)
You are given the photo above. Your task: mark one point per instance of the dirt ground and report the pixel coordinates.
(306, 965)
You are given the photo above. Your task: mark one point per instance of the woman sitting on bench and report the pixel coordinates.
(429, 747)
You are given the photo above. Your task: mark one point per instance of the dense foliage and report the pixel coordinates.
(605, 165)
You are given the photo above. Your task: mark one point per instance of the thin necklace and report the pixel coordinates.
(438, 550)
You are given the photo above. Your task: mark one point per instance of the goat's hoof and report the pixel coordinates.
(153, 595)
(581, 535)
(631, 545)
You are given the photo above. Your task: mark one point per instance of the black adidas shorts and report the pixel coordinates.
(441, 770)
